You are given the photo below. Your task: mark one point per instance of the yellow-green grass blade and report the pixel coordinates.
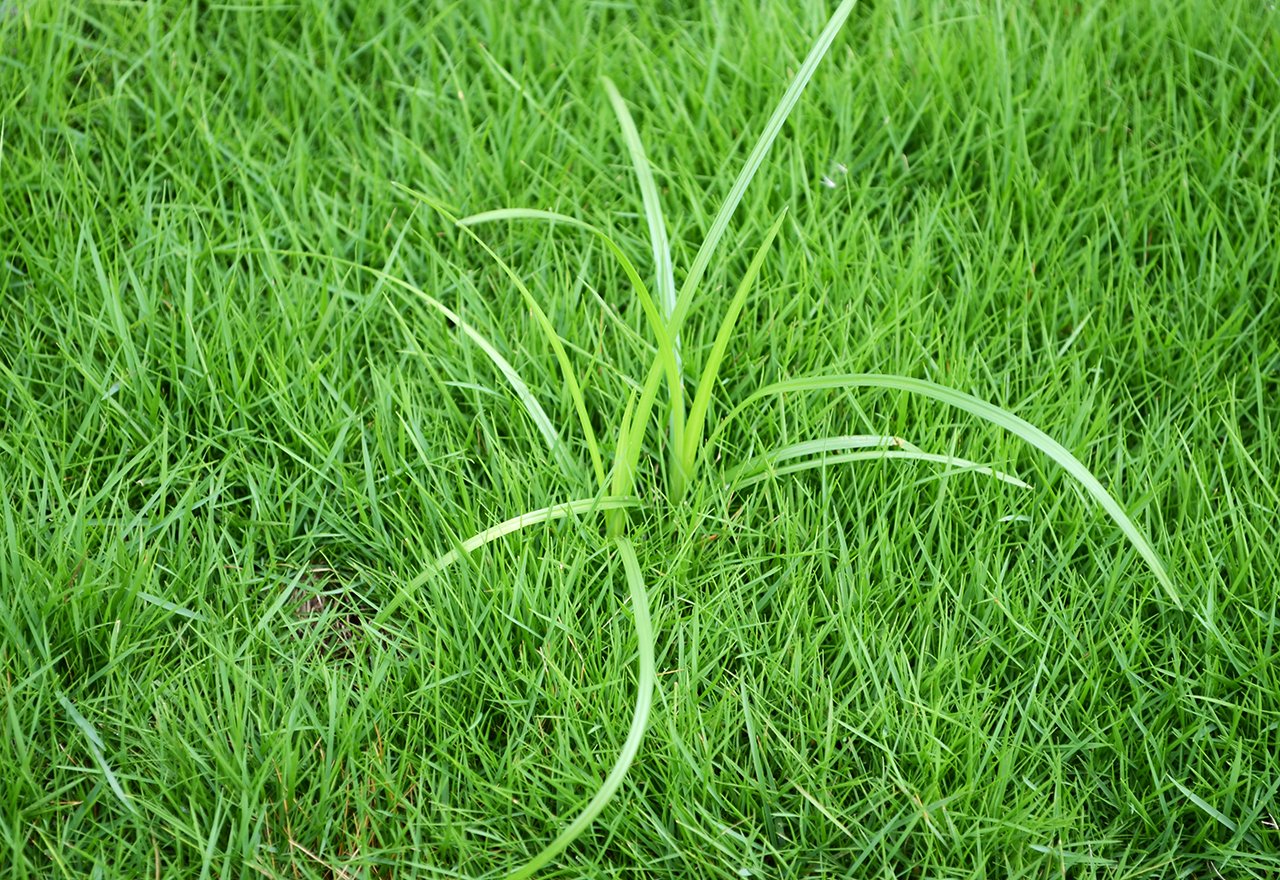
(666, 282)
(711, 371)
(771, 130)
(1017, 426)
(657, 322)
(639, 721)
(624, 465)
(684, 297)
(544, 323)
(652, 205)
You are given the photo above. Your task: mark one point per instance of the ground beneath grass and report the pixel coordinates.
(226, 448)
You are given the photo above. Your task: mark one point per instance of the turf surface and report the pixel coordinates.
(230, 441)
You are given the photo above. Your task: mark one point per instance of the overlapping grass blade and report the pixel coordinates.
(720, 224)
(780, 113)
(98, 749)
(539, 416)
(639, 720)
(657, 321)
(1019, 427)
(544, 323)
(516, 523)
(962, 464)
(531, 406)
(711, 371)
(662, 269)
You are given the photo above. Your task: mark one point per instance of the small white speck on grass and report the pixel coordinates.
(828, 182)
(110, 392)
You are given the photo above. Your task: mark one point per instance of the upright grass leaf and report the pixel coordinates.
(1019, 427)
(780, 113)
(657, 321)
(639, 720)
(666, 281)
(662, 269)
(624, 464)
(543, 322)
(720, 224)
(711, 371)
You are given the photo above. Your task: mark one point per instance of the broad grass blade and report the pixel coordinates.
(780, 113)
(702, 398)
(639, 721)
(1017, 426)
(767, 471)
(98, 749)
(652, 205)
(515, 524)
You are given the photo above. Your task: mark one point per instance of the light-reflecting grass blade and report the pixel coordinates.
(536, 413)
(963, 464)
(639, 721)
(662, 269)
(711, 371)
(544, 323)
(172, 607)
(1017, 426)
(780, 113)
(842, 443)
(530, 403)
(720, 224)
(652, 205)
(515, 524)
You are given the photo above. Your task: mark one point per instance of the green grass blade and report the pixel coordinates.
(652, 205)
(780, 113)
(536, 413)
(544, 323)
(720, 224)
(962, 464)
(842, 443)
(98, 749)
(539, 416)
(634, 442)
(639, 721)
(624, 464)
(515, 524)
(710, 372)
(662, 269)
(1019, 427)
(657, 321)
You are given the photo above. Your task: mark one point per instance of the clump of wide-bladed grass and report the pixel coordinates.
(686, 416)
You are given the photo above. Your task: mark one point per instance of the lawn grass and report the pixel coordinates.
(234, 438)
